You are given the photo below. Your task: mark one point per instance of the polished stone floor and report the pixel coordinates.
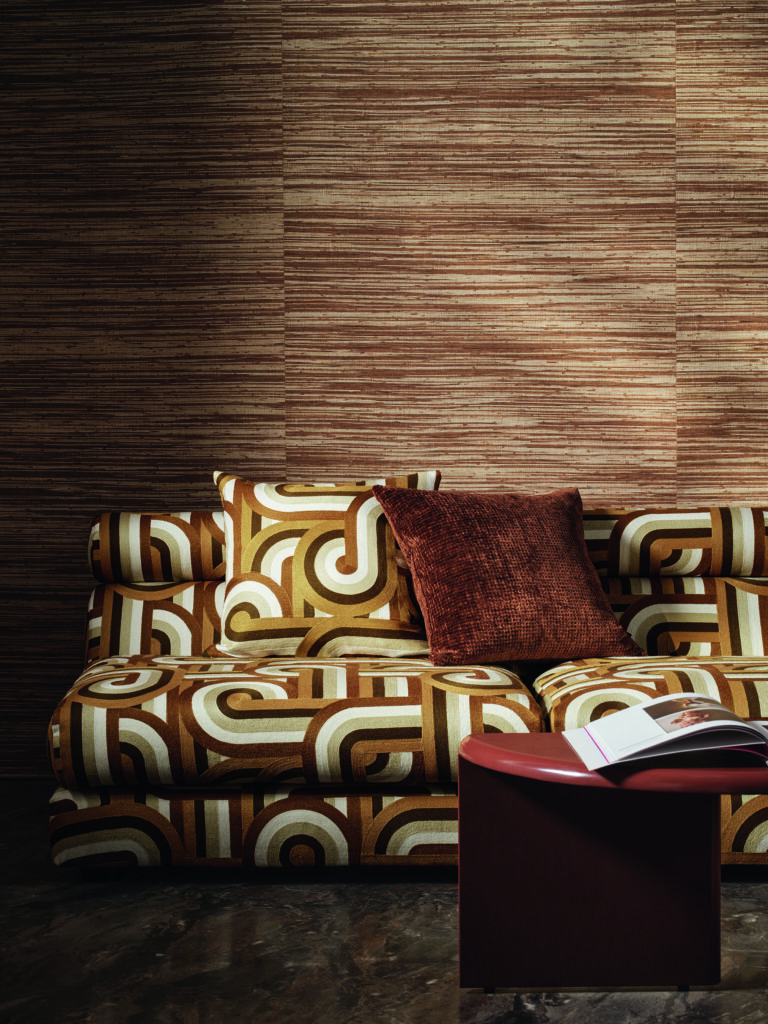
(214, 947)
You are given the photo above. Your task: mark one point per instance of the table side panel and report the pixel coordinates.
(561, 885)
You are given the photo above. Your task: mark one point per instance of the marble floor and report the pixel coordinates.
(216, 947)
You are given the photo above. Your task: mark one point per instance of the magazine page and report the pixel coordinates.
(663, 725)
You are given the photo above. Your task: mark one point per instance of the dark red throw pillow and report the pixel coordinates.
(503, 577)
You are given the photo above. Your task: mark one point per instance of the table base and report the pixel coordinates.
(570, 886)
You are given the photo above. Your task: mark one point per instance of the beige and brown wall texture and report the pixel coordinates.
(524, 241)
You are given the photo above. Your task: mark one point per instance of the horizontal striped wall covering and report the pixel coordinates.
(519, 241)
(480, 239)
(722, 248)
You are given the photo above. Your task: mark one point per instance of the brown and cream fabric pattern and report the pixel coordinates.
(578, 692)
(162, 583)
(284, 826)
(265, 826)
(711, 541)
(690, 615)
(744, 834)
(157, 618)
(314, 570)
(208, 722)
(685, 581)
(170, 754)
(140, 547)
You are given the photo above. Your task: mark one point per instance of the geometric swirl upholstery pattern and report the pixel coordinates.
(255, 827)
(153, 618)
(578, 692)
(689, 615)
(744, 829)
(286, 827)
(314, 570)
(171, 721)
(711, 541)
(697, 616)
(140, 547)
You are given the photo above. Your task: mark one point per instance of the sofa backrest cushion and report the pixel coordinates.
(154, 618)
(685, 581)
(715, 541)
(680, 581)
(140, 547)
(699, 616)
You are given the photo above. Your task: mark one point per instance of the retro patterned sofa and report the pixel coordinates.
(260, 686)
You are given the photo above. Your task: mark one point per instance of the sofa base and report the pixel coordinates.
(281, 827)
(298, 827)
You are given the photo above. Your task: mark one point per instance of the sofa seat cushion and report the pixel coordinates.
(191, 721)
(578, 692)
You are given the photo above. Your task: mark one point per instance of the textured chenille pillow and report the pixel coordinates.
(314, 570)
(502, 577)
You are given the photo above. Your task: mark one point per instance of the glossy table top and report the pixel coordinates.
(549, 757)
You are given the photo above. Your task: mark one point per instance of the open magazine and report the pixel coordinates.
(667, 725)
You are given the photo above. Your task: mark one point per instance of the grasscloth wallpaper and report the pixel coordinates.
(524, 242)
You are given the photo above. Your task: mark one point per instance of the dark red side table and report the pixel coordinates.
(575, 878)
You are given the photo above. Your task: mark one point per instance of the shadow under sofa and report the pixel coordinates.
(167, 753)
